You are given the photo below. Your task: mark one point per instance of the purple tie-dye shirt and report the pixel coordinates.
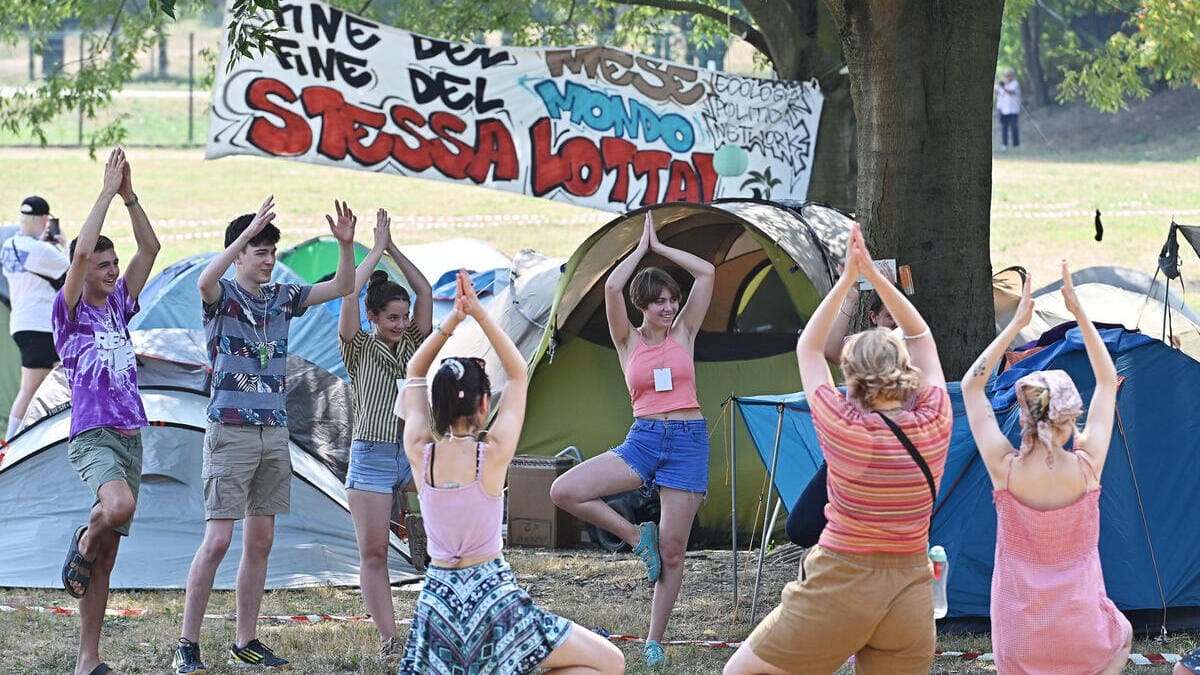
(97, 356)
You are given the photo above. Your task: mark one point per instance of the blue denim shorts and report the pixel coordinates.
(377, 467)
(668, 453)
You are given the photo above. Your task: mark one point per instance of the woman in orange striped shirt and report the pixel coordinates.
(866, 588)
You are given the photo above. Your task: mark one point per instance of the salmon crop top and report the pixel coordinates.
(639, 377)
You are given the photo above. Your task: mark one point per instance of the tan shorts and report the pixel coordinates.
(875, 606)
(247, 471)
(103, 454)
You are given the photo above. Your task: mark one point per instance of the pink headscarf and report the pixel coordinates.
(1065, 407)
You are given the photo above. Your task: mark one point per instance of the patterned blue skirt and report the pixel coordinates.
(475, 621)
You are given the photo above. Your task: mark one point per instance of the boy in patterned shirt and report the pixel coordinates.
(247, 464)
(90, 317)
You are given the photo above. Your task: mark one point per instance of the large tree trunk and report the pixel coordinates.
(921, 74)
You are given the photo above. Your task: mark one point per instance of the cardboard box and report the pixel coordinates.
(534, 520)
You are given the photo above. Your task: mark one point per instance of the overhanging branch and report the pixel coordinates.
(736, 26)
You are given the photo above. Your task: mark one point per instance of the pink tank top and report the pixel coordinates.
(639, 377)
(1048, 588)
(461, 522)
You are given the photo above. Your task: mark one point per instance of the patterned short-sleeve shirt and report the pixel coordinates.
(248, 344)
(373, 370)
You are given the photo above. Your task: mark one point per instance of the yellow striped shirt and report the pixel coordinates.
(374, 369)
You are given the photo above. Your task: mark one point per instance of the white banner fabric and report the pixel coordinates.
(592, 126)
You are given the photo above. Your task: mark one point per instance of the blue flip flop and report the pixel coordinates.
(647, 550)
(74, 564)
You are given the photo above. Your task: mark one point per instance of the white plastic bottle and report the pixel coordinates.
(941, 570)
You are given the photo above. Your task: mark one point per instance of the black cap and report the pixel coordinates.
(35, 206)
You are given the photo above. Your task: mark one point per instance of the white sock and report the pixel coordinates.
(13, 423)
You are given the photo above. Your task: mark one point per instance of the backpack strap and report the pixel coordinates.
(912, 451)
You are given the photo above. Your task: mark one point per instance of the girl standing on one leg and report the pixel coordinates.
(378, 465)
(866, 588)
(667, 446)
(471, 615)
(1047, 585)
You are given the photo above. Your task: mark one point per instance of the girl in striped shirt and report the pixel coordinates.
(375, 362)
(866, 589)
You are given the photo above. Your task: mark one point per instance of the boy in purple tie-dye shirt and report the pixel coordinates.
(90, 321)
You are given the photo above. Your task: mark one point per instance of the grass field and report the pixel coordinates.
(1043, 208)
(597, 589)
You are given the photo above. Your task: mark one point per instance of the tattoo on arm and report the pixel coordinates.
(979, 368)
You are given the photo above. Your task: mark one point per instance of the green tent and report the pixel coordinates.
(773, 264)
(10, 363)
(316, 259)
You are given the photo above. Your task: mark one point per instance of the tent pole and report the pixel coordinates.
(733, 542)
(766, 535)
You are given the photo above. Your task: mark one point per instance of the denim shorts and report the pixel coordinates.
(668, 453)
(376, 466)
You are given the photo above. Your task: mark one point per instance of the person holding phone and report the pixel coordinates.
(36, 267)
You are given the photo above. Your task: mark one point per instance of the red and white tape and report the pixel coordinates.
(1134, 659)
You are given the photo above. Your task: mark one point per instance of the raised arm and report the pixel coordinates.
(991, 442)
(841, 326)
(915, 330)
(342, 282)
(349, 317)
(89, 233)
(619, 326)
(209, 282)
(422, 305)
(506, 427)
(810, 348)
(417, 431)
(1097, 432)
(138, 270)
(692, 314)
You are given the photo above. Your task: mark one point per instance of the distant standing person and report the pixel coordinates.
(376, 361)
(247, 465)
(1008, 104)
(36, 268)
(91, 329)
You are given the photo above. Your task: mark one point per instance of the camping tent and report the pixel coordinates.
(172, 300)
(1146, 514)
(1113, 295)
(773, 263)
(41, 499)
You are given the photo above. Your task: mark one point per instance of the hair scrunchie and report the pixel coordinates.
(455, 367)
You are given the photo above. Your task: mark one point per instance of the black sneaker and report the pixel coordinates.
(187, 659)
(256, 654)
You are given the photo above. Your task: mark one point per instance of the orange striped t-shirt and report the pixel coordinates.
(879, 500)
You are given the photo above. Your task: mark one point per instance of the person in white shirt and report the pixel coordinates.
(35, 266)
(1008, 104)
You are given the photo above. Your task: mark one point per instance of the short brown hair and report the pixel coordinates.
(877, 367)
(649, 283)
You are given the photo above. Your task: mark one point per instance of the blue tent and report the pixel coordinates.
(172, 300)
(1151, 478)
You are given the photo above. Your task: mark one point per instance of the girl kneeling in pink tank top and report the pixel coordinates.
(459, 484)
(1047, 585)
(667, 446)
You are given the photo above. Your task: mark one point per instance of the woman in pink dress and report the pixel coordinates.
(1050, 612)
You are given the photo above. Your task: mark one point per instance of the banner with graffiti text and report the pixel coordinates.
(592, 126)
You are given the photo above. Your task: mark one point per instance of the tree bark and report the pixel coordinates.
(921, 74)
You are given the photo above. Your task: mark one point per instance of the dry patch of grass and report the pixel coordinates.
(590, 587)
